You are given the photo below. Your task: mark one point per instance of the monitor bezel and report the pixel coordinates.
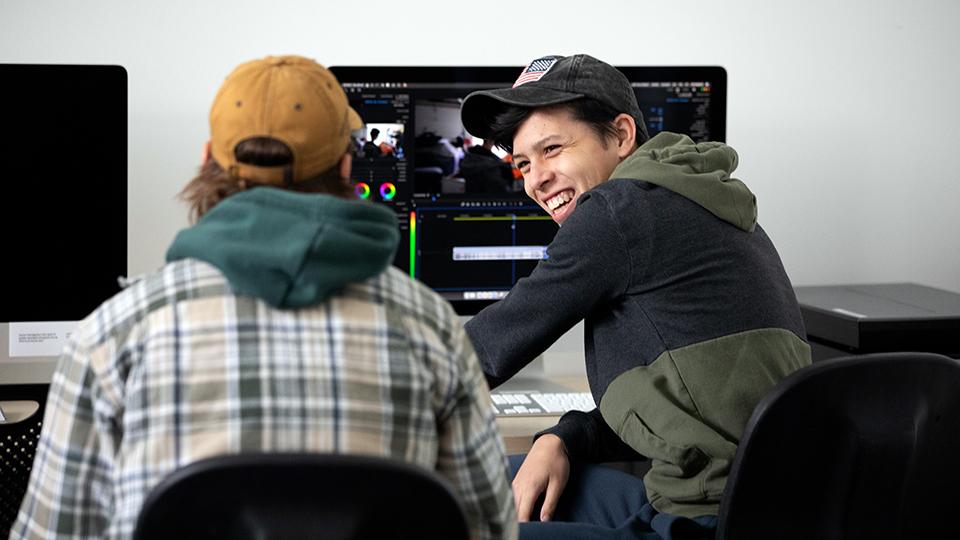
(716, 75)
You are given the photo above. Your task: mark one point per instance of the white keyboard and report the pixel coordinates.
(540, 403)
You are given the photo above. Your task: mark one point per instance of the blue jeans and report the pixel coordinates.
(603, 503)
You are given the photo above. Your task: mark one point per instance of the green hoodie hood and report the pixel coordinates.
(698, 171)
(290, 249)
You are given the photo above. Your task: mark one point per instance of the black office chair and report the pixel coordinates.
(21, 409)
(851, 448)
(273, 496)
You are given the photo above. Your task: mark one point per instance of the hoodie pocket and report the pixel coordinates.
(676, 471)
(638, 435)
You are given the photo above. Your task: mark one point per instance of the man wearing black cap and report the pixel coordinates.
(689, 315)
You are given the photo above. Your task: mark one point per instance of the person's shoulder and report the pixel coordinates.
(145, 294)
(606, 210)
(179, 280)
(413, 295)
(620, 187)
(626, 196)
(411, 300)
(605, 198)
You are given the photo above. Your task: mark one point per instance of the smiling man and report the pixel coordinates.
(688, 313)
(562, 158)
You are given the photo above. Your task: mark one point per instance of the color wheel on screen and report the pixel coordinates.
(362, 190)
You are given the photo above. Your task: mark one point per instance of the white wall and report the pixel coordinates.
(844, 112)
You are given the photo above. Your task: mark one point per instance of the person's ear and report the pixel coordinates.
(626, 134)
(345, 165)
(205, 153)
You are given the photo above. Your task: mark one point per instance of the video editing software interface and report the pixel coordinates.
(467, 228)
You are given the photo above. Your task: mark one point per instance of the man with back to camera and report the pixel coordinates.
(689, 315)
(370, 148)
(277, 325)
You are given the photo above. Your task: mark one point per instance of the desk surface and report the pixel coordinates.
(517, 431)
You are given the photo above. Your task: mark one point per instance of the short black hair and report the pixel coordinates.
(373, 133)
(597, 115)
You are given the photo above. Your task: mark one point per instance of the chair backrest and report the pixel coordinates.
(21, 416)
(862, 447)
(273, 496)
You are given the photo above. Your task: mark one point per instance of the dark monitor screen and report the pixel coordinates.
(467, 228)
(63, 189)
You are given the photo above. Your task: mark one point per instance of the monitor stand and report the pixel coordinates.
(531, 379)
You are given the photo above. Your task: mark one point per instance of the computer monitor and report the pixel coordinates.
(471, 232)
(63, 191)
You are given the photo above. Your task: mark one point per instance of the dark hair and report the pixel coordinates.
(374, 133)
(587, 110)
(213, 184)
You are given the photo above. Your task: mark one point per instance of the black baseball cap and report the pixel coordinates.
(552, 80)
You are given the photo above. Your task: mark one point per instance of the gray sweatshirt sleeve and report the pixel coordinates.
(588, 265)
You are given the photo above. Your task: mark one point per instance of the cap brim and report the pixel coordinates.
(481, 107)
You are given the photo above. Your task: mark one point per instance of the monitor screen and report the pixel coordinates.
(467, 228)
(63, 191)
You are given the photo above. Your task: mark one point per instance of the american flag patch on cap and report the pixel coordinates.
(536, 69)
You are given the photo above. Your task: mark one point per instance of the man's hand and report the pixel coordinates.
(546, 468)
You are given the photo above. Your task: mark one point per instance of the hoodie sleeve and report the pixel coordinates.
(587, 438)
(588, 265)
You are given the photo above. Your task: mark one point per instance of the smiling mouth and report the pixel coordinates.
(559, 200)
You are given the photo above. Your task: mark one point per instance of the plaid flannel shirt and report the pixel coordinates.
(177, 368)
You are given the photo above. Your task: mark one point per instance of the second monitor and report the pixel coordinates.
(467, 228)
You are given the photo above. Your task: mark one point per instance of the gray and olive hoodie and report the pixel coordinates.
(689, 318)
(291, 250)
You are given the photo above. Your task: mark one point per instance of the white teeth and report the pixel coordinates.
(559, 200)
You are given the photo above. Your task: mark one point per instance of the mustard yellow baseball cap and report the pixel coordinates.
(291, 99)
